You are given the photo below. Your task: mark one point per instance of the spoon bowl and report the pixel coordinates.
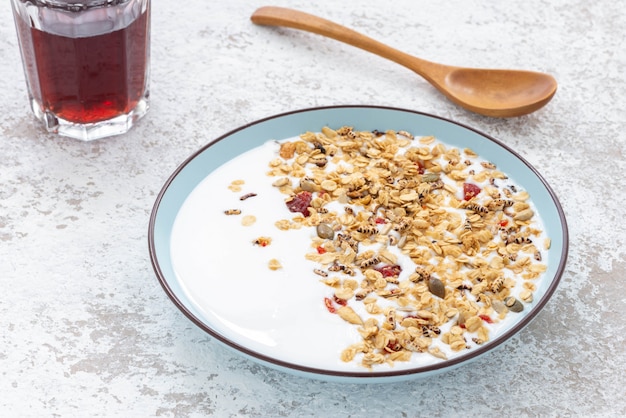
(489, 92)
(499, 93)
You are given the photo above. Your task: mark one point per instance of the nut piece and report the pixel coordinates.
(524, 215)
(308, 185)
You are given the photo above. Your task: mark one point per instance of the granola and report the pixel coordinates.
(424, 249)
(419, 244)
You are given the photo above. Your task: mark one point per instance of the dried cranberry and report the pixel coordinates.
(470, 190)
(389, 271)
(300, 203)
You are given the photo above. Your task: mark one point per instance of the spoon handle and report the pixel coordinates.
(279, 16)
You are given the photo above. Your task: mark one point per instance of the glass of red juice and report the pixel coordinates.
(86, 62)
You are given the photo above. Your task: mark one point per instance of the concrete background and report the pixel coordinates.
(85, 328)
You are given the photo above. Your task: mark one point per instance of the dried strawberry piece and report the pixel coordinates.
(329, 305)
(470, 190)
(340, 301)
(420, 167)
(300, 203)
(389, 270)
(486, 318)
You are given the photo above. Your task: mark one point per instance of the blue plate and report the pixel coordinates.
(201, 164)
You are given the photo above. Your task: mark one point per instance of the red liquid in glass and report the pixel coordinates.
(89, 79)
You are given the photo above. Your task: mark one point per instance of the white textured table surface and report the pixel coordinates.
(85, 328)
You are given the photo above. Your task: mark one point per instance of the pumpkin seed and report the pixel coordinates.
(325, 231)
(498, 306)
(430, 177)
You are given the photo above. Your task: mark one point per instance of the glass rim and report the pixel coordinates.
(73, 5)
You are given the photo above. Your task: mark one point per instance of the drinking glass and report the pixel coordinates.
(86, 62)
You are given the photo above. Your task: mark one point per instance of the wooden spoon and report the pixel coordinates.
(497, 93)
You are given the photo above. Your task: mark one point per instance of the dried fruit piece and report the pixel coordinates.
(470, 191)
(262, 241)
(389, 271)
(343, 298)
(486, 318)
(329, 305)
(300, 203)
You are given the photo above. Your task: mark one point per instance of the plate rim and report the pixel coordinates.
(365, 375)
